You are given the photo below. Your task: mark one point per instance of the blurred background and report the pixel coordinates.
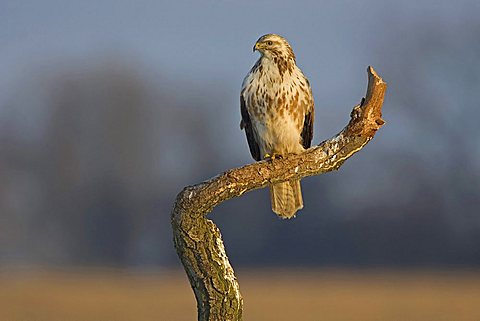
(109, 108)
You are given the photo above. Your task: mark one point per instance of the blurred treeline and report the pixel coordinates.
(92, 154)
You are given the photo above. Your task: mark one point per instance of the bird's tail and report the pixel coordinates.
(286, 198)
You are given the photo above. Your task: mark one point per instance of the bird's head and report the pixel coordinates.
(274, 46)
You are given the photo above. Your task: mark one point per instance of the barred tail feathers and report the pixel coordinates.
(286, 198)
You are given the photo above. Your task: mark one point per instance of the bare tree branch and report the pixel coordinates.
(198, 240)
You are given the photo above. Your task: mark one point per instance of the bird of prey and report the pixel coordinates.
(277, 109)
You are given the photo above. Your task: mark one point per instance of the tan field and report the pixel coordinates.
(326, 294)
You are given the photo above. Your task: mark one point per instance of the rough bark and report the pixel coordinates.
(198, 240)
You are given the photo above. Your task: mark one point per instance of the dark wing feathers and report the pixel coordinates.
(307, 131)
(247, 125)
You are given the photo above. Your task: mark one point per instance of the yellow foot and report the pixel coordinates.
(272, 157)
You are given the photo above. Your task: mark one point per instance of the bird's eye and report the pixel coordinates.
(269, 43)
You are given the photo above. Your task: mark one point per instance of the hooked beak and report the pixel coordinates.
(255, 47)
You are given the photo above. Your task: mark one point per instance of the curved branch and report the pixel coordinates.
(197, 239)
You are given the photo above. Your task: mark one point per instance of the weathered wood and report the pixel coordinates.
(198, 240)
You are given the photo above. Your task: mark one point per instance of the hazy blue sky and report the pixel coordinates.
(411, 188)
(210, 42)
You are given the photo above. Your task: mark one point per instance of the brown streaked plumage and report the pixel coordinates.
(277, 108)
